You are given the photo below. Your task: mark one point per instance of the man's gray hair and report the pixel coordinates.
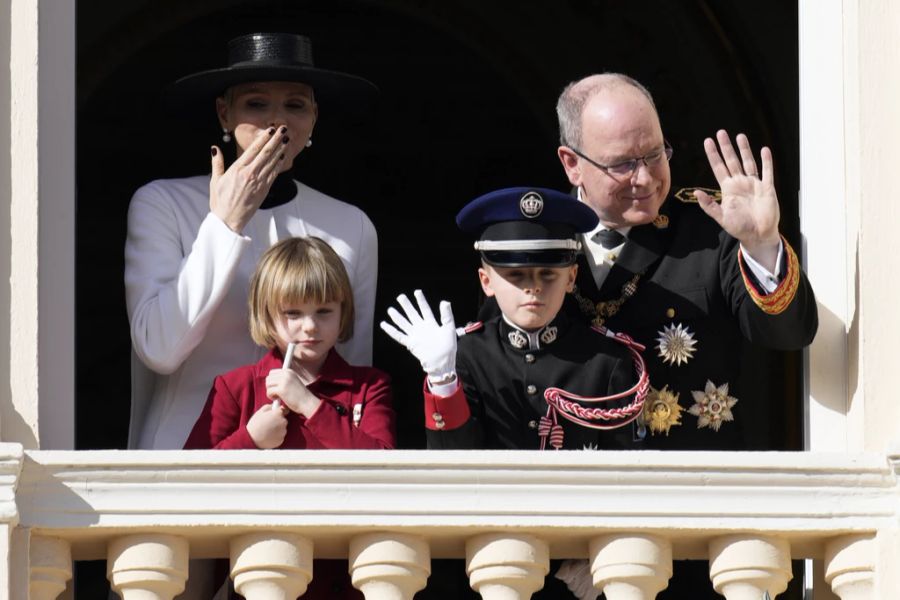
(575, 96)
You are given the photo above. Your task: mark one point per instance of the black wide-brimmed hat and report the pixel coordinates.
(271, 57)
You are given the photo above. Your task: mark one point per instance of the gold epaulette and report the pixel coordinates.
(776, 302)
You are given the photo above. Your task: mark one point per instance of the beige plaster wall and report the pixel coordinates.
(878, 243)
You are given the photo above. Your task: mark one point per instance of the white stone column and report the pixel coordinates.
(850, 566)
(631, 566)
(389, 566)
(147, 566)
(271, 566)
(506, 567)
(744, 567)
(50, 567)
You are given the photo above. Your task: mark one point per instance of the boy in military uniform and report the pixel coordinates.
(530, 377)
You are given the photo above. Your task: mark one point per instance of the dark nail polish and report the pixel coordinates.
(284, 130)
(213, 150)
(281, 157)
(271, 131)
(285, 140)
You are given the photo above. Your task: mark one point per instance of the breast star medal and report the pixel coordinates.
(712, 406)
(661, 410)
(676, 344)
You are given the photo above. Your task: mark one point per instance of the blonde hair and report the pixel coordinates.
(295, 270)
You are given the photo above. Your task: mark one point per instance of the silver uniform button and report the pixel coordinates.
(531, 389)
(529, 358)
(532, 424)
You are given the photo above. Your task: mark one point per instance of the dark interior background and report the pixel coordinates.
(468, 90)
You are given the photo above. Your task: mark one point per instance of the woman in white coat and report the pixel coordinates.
(194, 242)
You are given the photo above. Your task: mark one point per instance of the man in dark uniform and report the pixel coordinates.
(700, 291)
(694, 288)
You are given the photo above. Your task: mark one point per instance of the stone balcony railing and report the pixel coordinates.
(390, 513)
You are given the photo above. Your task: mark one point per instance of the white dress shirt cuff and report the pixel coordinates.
(768, 280)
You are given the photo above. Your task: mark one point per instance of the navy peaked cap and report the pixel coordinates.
(524, 226)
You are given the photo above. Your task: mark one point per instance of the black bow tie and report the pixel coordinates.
(608, 238)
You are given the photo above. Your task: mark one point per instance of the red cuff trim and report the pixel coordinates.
(442, 413)
(782, 296)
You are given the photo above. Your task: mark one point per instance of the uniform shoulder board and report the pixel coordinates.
(469, 328)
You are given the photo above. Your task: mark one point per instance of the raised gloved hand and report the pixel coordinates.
(432, 343)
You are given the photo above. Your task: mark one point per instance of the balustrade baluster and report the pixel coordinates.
(630, 566)
(850, 566)
(506, 566)
(389, 566)
(147, 566)
(50, 567)
(271, 566)
(744, 567)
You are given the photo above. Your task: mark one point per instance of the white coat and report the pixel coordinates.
(187, 279)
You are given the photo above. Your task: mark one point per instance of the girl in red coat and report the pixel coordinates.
(300, 297)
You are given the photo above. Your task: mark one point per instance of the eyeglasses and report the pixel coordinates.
(627, 167)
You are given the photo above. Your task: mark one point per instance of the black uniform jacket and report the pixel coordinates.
(503, 387)
(690, 275)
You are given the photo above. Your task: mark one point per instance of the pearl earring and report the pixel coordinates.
(226, 136)
(309, 142)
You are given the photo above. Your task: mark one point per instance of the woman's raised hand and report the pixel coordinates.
(236, 193)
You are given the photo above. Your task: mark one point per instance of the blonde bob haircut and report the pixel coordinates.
(293, 271)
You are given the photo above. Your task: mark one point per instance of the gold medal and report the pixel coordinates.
(661, 410)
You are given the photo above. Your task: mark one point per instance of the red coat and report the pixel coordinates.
(236, 395)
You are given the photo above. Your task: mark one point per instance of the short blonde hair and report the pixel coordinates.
(295, 270)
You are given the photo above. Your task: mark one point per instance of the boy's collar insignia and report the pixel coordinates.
(531, 205)
(517, 339)
(548, 335)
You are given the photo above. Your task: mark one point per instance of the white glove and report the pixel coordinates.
(576, 574)
(434, 345)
